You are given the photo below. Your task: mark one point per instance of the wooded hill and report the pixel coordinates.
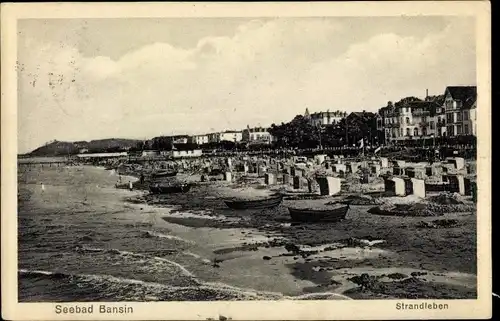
(58, 148)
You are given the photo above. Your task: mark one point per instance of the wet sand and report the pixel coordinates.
(401, 258)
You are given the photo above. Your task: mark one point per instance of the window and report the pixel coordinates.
(401, 131)
(450, 131)
(431, 124)
(407, 120)
(424, 131)
(449, 118)
(415, 132)
(459, 116)
(466, 129)
(407, 132)
(459, 129)
(466, 115)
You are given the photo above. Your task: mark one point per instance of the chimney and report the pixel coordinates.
(426, 93)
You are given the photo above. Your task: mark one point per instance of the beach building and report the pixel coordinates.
(149, 153)
(187, 153)
(101, 155)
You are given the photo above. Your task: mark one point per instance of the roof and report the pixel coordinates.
(102, 155)
(429, 106)
(422, 104)
(439, 99)
(361, 113)
(466, 94)
(257, 130)
(329, 113)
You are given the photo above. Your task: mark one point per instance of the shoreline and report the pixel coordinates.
(408, 261)
(425, 276)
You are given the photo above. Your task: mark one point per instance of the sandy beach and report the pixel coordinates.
(405, 257)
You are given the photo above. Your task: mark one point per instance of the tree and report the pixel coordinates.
(161, 143)
(297, 133)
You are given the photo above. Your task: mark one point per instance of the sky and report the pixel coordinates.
(84, 79)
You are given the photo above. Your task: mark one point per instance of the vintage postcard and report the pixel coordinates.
(246, 161)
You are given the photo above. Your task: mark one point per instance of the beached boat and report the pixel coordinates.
(169, 189)
(307, 215)
(269, 202)
(165, 174)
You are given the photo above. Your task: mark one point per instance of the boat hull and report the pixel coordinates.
(254, 204)
(313, 216)
(169, 189)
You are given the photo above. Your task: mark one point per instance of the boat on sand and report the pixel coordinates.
(334, 213)
(260, 203)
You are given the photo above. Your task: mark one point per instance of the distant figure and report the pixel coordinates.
(43, 187)
(119, 178)
(142, 178)
(130, 186)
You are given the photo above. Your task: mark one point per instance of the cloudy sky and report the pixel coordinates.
(140, 78)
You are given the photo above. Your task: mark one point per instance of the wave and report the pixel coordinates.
(108, 286)
(166, 236)
(196, 256)
(182, 269)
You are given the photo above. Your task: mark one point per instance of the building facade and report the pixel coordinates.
(460, 106)
(228, 135)
(256, 134)
(180, 139)
(411, 118)
(452, 114)
(324, 118)
(231, 136)
(199, 139)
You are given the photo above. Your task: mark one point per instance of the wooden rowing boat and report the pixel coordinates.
(319, 215)
(269, 202)
(169, 189)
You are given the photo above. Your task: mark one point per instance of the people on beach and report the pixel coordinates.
(130, 186)
(43, 187)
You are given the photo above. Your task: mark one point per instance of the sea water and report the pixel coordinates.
(80, 240)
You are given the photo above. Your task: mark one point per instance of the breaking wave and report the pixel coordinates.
(107, 287)
(155, 259)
